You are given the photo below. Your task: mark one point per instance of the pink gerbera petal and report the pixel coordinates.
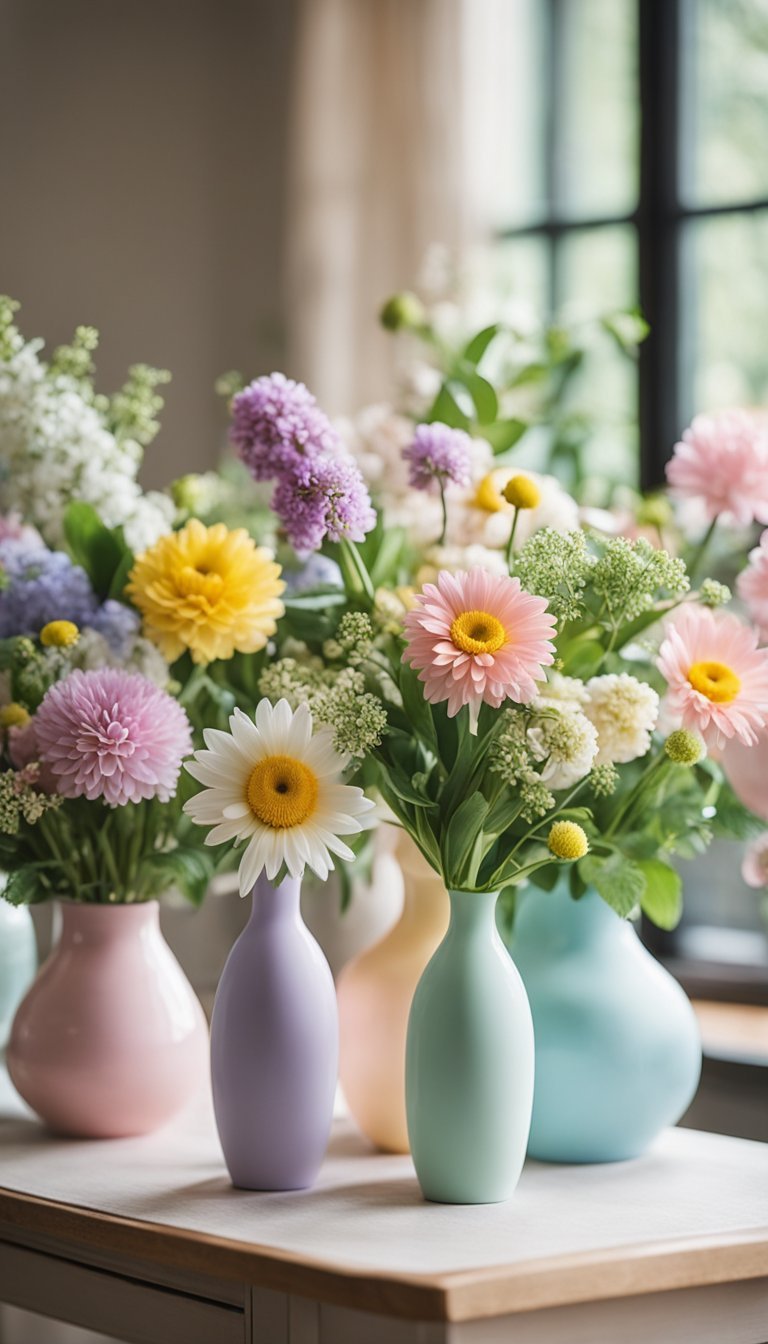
(717, 677)
(478, 637)
(753, 586)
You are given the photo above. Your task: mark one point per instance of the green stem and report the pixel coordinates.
(357, 580)
(444, 507)
(701, 550)
(510, 543)
(647, 777)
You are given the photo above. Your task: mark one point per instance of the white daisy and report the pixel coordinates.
(277, 785)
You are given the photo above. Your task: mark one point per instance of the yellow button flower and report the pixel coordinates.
(568, 841)
(13, 715)
(59, 634)
(522, 493)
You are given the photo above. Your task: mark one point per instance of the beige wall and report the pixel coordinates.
(142, 161)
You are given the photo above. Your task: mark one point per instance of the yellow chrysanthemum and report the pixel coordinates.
(209, 590)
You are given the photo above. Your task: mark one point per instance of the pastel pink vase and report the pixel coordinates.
(110, 1040)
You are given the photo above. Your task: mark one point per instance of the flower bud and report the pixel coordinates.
(402, 312)
(684, 747)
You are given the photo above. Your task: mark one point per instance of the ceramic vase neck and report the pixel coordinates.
(83, 923)
(272, 904)
(473, 913)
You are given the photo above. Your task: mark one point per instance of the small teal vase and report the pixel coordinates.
(18, 962)
(618, 1052)
(469, 1063)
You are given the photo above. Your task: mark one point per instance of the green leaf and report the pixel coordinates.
(23, 886)
(504, 434)
(101, 552)
(483, 395)
(475, 349)
(120, 577)
(620, 881)
(187, 867)
(317, 600)
(628, 329)
(446, 409)
(415, 707)
(460, 836)
(662, 900)
(732, 820)
(582, 658)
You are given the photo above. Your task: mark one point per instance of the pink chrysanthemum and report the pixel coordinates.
(114, 735)
(717, 676)
(752, 586)
(477, 637)
(722, 462)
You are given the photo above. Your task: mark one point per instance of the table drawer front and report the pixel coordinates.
(112, 1304)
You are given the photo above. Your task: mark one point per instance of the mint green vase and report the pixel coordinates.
(18, 961)
(618, 1052)
(469, 1062)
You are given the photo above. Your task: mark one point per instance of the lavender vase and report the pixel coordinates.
(274, 1047)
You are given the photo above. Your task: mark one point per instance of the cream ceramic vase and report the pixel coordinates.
(375, 993)
(110, 1040)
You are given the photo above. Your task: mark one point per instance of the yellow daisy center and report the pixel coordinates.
(478, 632)
(282, 792)
(717, 681)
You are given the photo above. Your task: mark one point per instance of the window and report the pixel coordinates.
(639, 174)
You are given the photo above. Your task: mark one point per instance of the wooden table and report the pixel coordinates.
(145, 1239)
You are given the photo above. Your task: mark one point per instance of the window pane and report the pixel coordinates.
(725, 112)
(597, 274)
(598, 132)
(521, 273)
(724, 303)
(504, 53)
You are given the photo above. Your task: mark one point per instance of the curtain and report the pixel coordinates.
(377, 174)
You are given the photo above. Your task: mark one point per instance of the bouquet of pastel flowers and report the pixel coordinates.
(557, 709)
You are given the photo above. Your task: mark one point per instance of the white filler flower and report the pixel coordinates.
(624, 712)
(277, 785)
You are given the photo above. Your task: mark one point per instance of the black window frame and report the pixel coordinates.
(664, 29)
(664, 38)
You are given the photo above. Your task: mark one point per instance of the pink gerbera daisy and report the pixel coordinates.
(722, 462)
(717, 676)
(753, 586)
(114, 735)
(478, 637)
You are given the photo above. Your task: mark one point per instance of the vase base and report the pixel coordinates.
(463, 1198)
(272, 1185)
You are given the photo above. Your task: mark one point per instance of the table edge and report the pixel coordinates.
(459, 1295)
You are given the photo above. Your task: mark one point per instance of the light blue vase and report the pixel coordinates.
(618, 1052)
(469, 1063)
(18, 962)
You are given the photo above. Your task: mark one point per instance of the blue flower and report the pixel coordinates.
(41, 586)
